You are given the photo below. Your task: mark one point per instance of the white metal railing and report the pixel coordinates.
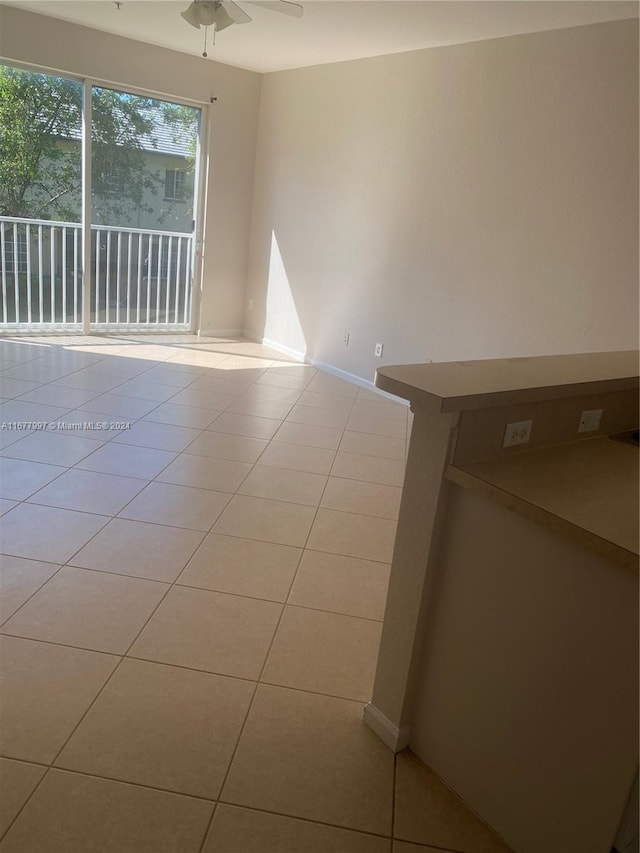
(141, 278)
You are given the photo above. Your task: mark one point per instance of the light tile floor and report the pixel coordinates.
(191, 607)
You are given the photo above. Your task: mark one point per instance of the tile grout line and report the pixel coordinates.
(181, 666)
(30, 497)
(124, 782)
(186, 452)
(69, 562)
(176, 583)
(393, 799)
(208, 827)
(362, 832)
(35, 592)
(63, 646)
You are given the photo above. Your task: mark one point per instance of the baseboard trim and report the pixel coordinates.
(292, 353)
(221, 333)
(344, 374)
(323, 365)
(356, 380)
(395, 738)
(251, 337)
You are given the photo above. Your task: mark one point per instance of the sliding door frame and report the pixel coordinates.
(200, 182)
(87, 277)
(201, 188)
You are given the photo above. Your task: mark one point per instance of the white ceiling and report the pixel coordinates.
(333, 31)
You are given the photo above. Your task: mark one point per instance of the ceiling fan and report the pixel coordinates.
(220, 14)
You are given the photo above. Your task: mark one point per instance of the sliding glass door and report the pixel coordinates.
(142, 186)
(144, 155)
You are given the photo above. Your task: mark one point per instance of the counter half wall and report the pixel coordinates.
(508, 660)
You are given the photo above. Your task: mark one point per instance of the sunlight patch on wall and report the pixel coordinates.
(282, 323)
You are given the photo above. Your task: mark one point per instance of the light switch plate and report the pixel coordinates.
(590, 420)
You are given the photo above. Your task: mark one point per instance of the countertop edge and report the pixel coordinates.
(441, 404)
(408, 392)
(623, 557)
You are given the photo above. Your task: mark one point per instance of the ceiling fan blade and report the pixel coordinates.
(286, 7)
(235, 12)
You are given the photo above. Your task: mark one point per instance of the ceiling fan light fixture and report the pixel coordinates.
(222, 19)
(200, 13)
(190, 15)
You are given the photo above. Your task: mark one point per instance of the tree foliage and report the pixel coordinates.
(35, 111)
(40, 147)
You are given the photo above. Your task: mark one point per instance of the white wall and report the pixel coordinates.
(51, 43)
(462, 202)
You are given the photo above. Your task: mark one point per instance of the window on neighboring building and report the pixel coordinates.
(112, 179)
(174, 184)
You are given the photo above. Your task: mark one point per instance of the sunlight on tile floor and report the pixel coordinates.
(191, 606)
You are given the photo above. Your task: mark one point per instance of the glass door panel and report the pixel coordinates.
(144, 156)
(40, 201)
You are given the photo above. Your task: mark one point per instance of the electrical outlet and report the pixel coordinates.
(378, 350)
(517, 433)
(590, 420)
(346, 338)
(251, 305)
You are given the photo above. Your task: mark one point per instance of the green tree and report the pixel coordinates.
(35, 112)
(40, 151)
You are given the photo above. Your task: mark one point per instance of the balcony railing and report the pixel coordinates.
(141, 279)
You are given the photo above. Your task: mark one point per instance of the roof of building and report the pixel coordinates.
(166, 137)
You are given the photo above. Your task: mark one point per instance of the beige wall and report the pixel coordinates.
(463, 202)
(29, 38)
(527, 698)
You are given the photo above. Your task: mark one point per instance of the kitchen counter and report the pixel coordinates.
(464, 385)
(508, 659)
(587, 490)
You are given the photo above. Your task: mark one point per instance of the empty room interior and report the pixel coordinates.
(319, 426)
